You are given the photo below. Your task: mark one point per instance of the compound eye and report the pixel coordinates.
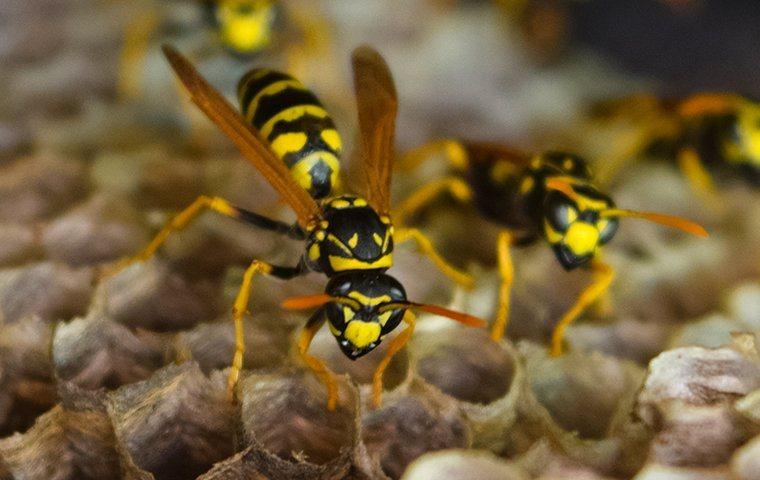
(607, 229)
(561, 214)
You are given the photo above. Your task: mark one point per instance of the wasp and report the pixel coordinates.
(289, 137)
(705, 134)
(243, 28)
(550, 195)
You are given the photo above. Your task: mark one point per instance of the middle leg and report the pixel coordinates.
(395, 346)
(507, 274)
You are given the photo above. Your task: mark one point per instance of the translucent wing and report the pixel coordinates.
(377, 104)
(248, 141)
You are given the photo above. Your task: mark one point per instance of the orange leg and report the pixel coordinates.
(507, 273)
(396, 344)
(587, 297)
(316, 365)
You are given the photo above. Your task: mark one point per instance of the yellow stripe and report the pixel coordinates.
(291, 114)
(368, 301)
(341, 264)
(289, 143)
(332, 139)
(271, 89)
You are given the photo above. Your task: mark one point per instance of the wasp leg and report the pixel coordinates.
(453, 151)
(426, 248)
(241, 306)
(137, 37)
(603, 305)
(316, 365)
(699, 179)
(182, 219)
(507, 274)
(394, 347)
(588, 296)
(423, 196)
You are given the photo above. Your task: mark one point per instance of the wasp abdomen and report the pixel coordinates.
(296, 125)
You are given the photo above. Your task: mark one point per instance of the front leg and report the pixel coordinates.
(395, 346)
(316, 365)
(506, 273)
(604, 274)
(241, 307)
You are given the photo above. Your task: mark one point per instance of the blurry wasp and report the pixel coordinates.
(243, 28)
(289, 137)
(715, 132)
(550, 195)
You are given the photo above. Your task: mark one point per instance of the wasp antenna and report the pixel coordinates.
(668, 220)
(306, 301)
(460, 317)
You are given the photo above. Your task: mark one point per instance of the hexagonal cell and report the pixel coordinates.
(64, 445)
(411, 422)
(212, 344)
(464, 363)
(284, 414)
(100, 230)
(95, 352)
(176, 424)
(49, 290)
(459, 464)
(36, 187)
(26, 377)
(151, 295)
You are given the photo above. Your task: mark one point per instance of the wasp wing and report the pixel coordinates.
(246, 138)
(377, 104)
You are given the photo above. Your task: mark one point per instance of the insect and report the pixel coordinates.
(292, 142)
(243, 28)
(549, 196)
(704, 133)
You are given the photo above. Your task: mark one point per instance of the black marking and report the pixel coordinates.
(249, 88)
(271, 105)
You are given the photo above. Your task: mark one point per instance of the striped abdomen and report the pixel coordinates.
(299, 129)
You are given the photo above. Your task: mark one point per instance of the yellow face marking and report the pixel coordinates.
(291, 114)
(354, 240)
(361, 334)
(271, 89)
(581, 238)
(334, 330)
(289, 143)
(384, 317)
(378, 239)
(340, 264)
(348, 314)
(332, 139)
(551, 235)
(369, 301)
(571, 215)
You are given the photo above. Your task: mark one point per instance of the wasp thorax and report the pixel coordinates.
(369, 305)
(352, 236)
(575, 228)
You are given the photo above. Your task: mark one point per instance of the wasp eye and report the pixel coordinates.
(561, 215)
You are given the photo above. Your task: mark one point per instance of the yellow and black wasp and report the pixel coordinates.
(705, 134)
(549, 196)
(290, 139)
(243, 28)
